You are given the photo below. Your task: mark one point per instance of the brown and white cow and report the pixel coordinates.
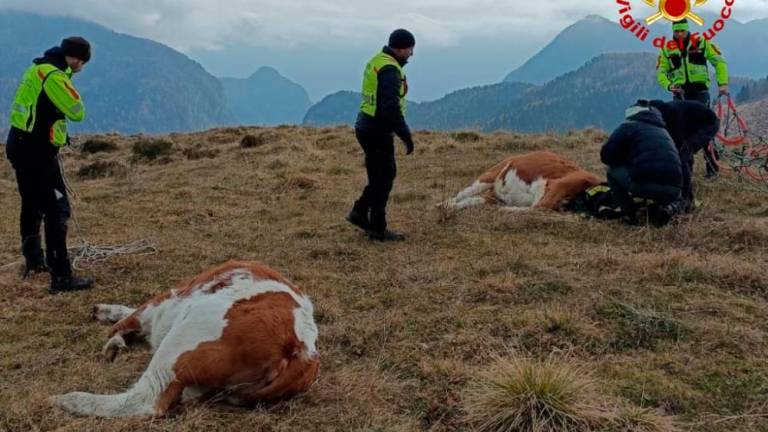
(240, 331)
(539, 179)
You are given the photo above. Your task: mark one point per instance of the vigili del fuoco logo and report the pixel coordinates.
(672, 10)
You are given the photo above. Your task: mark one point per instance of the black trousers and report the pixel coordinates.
(43, 199)
(624, 190)
(699, 141)
(712, 157)
(380, 165)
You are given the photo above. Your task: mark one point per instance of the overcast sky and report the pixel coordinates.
(234, 37)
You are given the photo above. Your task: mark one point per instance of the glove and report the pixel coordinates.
(409, 146)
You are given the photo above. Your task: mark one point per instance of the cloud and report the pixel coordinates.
(203, 24)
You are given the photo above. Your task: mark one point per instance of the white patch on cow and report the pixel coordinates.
(178, 325)
(192, 394)
(111, 313)
(304, 324)
(515, 192)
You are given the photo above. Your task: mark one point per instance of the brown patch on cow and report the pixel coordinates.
(168, 398)
(222, 277)
(258, 357)
(127, 325)
(532, 166)
(566, 188)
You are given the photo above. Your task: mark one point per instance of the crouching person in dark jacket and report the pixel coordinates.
(643, 163)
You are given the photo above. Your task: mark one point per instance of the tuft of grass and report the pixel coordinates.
(151, 149)
(632, 418)
(101, 169)
(97, 146)
(467, 136)
(543, 291)
(529, 395)
(252, 141)
(198, 152)
(301, 182)
(638, 328)
(340, 171)
(560, 319)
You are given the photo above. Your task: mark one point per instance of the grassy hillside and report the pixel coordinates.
(666, 327)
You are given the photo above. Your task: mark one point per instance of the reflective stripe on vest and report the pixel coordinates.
(371, 83)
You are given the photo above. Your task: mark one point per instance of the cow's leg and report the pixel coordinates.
(158, 389)
(154, 395)
(469, 196)
(108, 313)
(116, 343)
(468, 202)
(514, 209)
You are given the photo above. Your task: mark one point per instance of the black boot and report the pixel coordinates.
(359, 219)
(385, 236)
(34, 267)
(33, 255)
(69, 283)
(658, 216)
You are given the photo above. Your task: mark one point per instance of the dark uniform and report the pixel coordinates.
(382, 115)
(45, 100)
(692, 127)
(643, 163)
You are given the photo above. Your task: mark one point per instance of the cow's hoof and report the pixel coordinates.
(113, 347)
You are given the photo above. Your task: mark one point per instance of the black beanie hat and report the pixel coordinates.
(401, 38)
(76, 47)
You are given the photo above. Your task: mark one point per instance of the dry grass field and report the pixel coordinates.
(553, 321)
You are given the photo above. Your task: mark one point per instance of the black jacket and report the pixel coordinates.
(643, 145)
(691, 124)
(389, 118)
(29, 146)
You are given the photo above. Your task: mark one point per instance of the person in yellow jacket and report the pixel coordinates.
(382, 115)
(682, 69)
(45, 100)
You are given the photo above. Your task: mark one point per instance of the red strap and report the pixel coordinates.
(734, 140)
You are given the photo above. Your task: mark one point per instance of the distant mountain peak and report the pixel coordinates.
(595, 18)
(266, 71)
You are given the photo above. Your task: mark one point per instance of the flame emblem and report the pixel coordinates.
(674, 10)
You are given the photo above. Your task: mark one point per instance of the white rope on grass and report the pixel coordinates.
(88, 253)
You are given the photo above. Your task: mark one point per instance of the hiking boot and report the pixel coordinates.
(69, 283)
(658, 216)
(385, 236)
(34, 267)
(630, 220)
(359, 220)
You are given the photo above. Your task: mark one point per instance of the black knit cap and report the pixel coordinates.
(76, 47)
(401, 38)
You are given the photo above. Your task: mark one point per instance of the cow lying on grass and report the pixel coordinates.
(539, 179)
(240, 331)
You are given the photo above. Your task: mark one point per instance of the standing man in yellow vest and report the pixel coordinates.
(683, 71)
(44, 101)
(382, 114)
